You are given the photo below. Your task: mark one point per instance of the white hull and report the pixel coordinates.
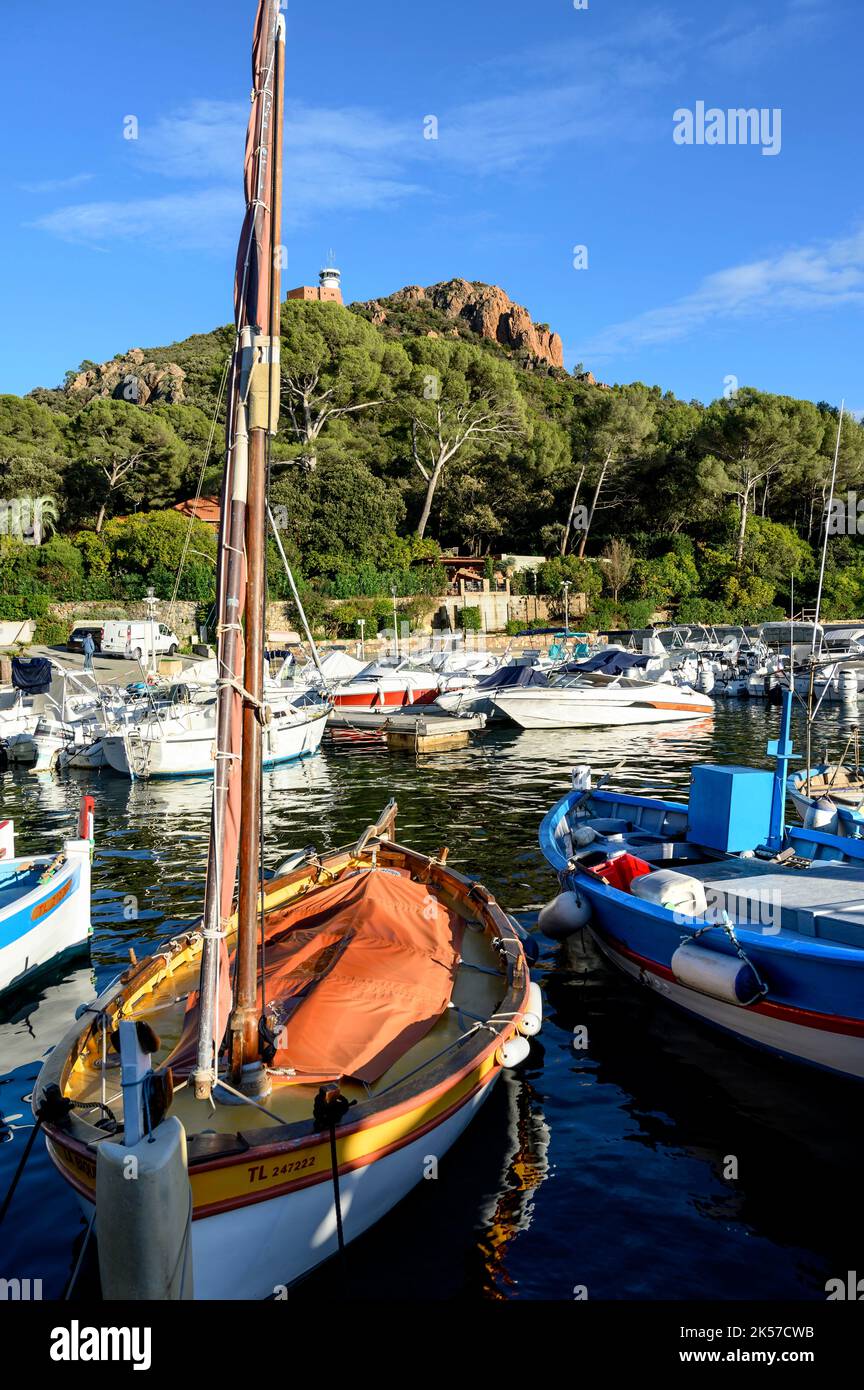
(145, 752)
(89, 758)
(38, 752)
(275, 1242)
(14, 723)
(837, 1052)
(469, 702)
(571, 709)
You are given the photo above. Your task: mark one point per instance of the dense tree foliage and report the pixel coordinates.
(404, 438)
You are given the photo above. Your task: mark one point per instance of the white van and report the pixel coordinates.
(139, 640)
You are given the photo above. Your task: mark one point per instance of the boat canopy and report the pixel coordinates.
(356, 973)
(508, 676)
(31, 674)
(614, 663)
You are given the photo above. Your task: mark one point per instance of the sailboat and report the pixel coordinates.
(288, 1070)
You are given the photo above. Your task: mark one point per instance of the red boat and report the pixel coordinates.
(388, 686)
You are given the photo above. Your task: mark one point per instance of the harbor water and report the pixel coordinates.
(636, 1155)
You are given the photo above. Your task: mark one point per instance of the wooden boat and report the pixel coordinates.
(753, 927)
(44, 902)
(262, 1184)
(289, 1068)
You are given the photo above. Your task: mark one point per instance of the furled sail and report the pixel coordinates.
(252, 406)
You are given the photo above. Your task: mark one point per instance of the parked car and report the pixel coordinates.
(75, 642)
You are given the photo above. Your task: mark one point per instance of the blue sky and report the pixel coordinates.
(555, 130)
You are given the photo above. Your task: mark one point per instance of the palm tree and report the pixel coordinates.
(45, 518)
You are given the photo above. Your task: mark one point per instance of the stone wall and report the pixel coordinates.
(180, 616)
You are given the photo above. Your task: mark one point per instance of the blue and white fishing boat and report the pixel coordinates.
(44, 902)
(719, 907)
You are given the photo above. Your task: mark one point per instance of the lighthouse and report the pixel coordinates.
(331, 279)
(329, 287)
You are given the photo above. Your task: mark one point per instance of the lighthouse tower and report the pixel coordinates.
(330, 278)
(328, 289)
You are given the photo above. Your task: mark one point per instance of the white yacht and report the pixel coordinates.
(611, 688)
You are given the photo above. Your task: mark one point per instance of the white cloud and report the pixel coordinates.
(582, 93)
(194, 220)
(824, 275)
(350, 159)
(56, 185)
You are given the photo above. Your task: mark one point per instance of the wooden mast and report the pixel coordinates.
(252, 415)
(264, 405)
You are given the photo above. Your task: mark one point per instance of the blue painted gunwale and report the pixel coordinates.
(16, 918)
(805, 973)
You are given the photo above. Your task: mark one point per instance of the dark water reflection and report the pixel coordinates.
(602, 1167)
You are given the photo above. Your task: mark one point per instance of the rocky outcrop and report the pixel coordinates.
(486, 310)
(131, 378)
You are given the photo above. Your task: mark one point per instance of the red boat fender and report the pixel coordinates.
(86, 818)
(620, 871)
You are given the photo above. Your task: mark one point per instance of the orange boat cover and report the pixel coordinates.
(356, 973)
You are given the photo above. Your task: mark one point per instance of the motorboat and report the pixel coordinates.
(385, 683)
(482, 698)
(610, 688)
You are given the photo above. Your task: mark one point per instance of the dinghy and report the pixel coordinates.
(44, 902)
(829, 797)
(720, 908)
(290, 1068)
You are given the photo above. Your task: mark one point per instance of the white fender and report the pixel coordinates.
(564, 914)
(723, 977)
(821, 815)
(513, 1051)
(848, 684)
(532, 1019)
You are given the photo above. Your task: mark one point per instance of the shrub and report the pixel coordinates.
(19, 608)
(50, 632)
(470, 619)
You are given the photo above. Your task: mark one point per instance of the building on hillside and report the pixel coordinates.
(327, 291)
(466, 574)
(204, 509)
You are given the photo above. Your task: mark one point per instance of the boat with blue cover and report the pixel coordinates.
(482, 698)
(44, 902)
(721, 908)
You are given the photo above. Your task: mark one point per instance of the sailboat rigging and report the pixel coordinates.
(377, 993)
(252, 420)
